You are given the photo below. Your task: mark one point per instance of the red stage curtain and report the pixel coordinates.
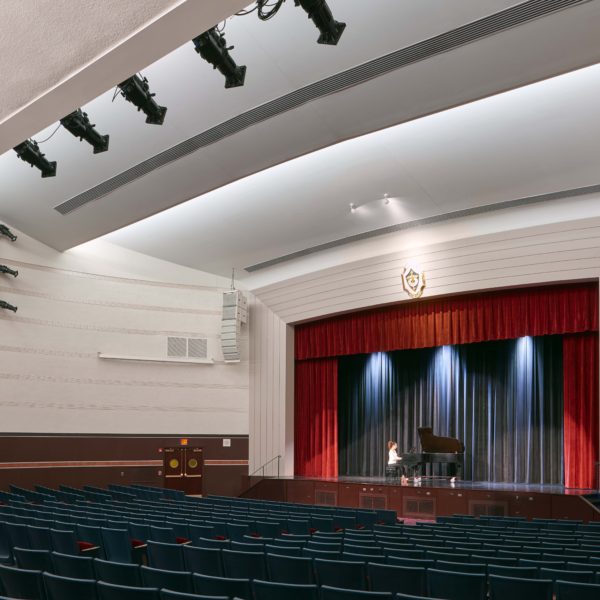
(580, 372)
(482, 317)
(316, 445)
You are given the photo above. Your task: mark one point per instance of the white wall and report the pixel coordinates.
(102, 298)
(548, 253)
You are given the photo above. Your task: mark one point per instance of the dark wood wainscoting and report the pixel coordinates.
(423, 502)
(75, 460)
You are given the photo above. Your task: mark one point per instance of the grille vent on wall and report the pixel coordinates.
(326, 497)
(479, 508)
(181, 347)
(419, 507)
(372, 501)
(444, 42)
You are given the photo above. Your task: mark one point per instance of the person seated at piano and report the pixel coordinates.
(392, 454)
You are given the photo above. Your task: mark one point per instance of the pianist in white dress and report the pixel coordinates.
(392, 454)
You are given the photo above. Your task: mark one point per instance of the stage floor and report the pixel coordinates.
(445, 483)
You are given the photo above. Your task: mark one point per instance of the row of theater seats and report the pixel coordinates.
(465, 550)
(105, 580)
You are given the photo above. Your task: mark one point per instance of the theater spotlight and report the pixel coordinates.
(212, 47)
(137, 91)
(79, 125)
(4, 230)
(7, 306)
(8, 271)
(320, 14)
(30, 152)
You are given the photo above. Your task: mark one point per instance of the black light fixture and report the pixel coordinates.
(137, 91)
(8, 271)
(4, 230)
(30, 152)
(212, 47)
(320, 14)
(79, 125)
(7, 306)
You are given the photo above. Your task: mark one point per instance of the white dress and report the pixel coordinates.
(392, 457)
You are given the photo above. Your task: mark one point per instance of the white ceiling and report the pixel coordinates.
(534, 140)
(56, 55)
(493, 150)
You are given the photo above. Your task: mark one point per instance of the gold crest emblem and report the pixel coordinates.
(413, 282)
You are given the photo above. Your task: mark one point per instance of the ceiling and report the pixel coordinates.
(244, 210)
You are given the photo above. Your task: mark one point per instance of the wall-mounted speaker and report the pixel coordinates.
(235, 312)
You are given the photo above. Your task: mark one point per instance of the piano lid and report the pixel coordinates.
(436, 443)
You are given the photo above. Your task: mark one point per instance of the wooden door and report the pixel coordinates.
(183, 469)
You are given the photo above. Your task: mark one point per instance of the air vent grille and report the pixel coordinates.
(181, 347)
(416, 507)
(445, 42)
(327, 498)
(372, 501)
(480, 508)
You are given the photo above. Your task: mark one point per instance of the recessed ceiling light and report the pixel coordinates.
(386, 199)
(353, 207)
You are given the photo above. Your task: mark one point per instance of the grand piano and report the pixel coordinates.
(435, 449)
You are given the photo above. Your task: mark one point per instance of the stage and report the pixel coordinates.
(431, 497)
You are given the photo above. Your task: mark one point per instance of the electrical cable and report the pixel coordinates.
(42, 141)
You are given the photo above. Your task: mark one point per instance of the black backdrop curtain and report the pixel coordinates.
(502, 399)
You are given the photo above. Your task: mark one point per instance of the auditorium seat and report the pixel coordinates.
(178, 581)
(67, 565)
(39, 538)
(206, 561)
(425, 563)
(222, 586)
(290, 569)
(170, 595)
(109, 591)
(566, 575)
(479, 568)
(24, 584)
(117, 545)
(513, 571)
(519, 588)
(69, 588)
(389, 578)
(35, 560)
(18, 535)
(211, 543)
(337, 573)
(165, 556)
(268, 590)
(117, 573)
(455, 585)
(569, 590)
(336, 593)
(248, 565)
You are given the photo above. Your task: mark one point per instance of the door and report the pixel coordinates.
(183, 469)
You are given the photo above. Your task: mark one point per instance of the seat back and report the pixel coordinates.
(222, 586)
(519, 588)
(34, 560)
(390, 578)
(18, 535)
(165, 556)
(110, 591)
(116, 544)
(268, 590)
(117, 573)
(178, 581)
(69, 588)
(455, 585)
(569, 590)
(342, 574)
(22, 583)
(333, 593)
(64, 541)
(79, 567)
(249, 565)
(290, 569)
(39, 538)
(206, 561)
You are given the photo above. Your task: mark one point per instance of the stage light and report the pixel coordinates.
(30, 152)
(212, 47)
(137, 91)
(4, 230)
(8, 271)
(7, 306)
(386, 199)
(320, 14)
(79, 125)
(353, 207)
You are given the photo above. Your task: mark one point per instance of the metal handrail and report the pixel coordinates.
(262, 467)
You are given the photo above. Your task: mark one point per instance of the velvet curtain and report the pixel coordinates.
(581, 409)
(316, 447)
(507, 314)
(502, 399)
